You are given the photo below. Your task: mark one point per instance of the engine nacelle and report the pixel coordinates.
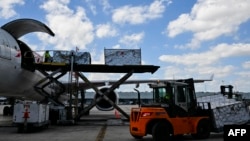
(103, 104)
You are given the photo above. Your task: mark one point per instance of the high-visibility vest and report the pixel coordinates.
(47, 55)
(167, 96)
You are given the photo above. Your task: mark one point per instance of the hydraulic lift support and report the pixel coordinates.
(93, 68)
(39, 86)
(104, 95)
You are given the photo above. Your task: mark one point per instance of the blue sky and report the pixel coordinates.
(186, 38)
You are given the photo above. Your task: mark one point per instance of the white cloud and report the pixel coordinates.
(209, 57)
(91, 6)
(71, 28)
(184, 72)
(118, 46)
(243, 74)
(98, 58)
(213, 61)
(7, 8)
(106, 5)
(241, 85)
(138, 14)
(210, 19)
(132, 40)
(219, 71)
(105, 30)
(171, 72)
(180, 72)
(246, 65)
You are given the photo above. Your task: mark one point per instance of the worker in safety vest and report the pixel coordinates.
(47, 56)
(167, 97)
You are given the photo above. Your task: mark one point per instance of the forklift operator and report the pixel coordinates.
(167, 97)
(163, 95)
(47, 56)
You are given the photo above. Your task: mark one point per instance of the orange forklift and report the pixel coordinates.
(174, 112)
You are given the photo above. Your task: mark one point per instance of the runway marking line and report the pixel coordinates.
(101, 133)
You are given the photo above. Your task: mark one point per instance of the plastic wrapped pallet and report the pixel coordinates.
(82, 58)
(61, 57)
(226, 111)
(65, 57)
(122, 56)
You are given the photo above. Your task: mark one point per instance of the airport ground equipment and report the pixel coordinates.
(77, 63)
(176, 112)
(28, 115)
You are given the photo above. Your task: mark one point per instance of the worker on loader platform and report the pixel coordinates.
(47, 57)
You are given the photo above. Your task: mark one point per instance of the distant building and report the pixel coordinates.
(147, 97)
(125, 97)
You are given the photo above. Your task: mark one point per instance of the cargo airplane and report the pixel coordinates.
(17, 72)
(16, 60)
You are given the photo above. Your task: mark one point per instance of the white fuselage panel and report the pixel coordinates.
(14, 80)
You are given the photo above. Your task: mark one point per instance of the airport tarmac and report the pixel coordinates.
(98, 126)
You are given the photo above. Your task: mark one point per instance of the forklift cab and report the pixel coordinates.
(176, 94)
(162, 93)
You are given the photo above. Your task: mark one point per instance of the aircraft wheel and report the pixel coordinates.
(161, 132)
(6, 110)
(203, 130)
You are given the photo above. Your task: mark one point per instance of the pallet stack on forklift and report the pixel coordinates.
(226, 111)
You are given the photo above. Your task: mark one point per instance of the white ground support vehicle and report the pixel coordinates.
(29, 115)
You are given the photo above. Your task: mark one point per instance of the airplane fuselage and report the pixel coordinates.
(15, 81)
(17, 73)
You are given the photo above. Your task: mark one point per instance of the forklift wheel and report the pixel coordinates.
(161, 132)
(137, 137)
(203, 130)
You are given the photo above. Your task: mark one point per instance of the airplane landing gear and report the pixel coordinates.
(8, 110)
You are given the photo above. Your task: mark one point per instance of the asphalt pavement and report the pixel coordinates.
(98, 126)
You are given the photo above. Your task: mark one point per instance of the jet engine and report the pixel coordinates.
(104, 105)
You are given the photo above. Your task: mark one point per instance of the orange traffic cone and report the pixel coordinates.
(117, 115)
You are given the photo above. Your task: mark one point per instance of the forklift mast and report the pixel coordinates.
(227, 90)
